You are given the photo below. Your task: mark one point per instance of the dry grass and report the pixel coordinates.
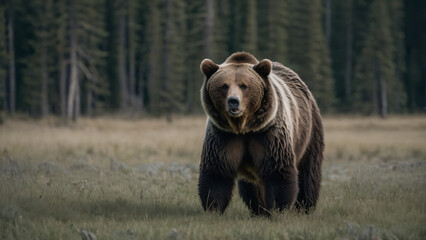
(367, 138)
(132, 141)
(151, 140)
(374, 183)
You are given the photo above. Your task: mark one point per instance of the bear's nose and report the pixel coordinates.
(233, 102)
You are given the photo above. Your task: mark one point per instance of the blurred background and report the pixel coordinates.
(89, 57)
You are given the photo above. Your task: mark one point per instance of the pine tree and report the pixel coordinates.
(132, 28)
(342, 51)
(61, 17)
(376, 79)
(96, 86)
(110, 46)
(308, 51)
(396, 12)
(128, 46)
(249, 39)
(136, 12)
(122, 53)
(11, 55)
(39, 70)
(349, 55)
(85, 34)
(174, 31)
(3, 57)
(236, 25)
(298, 30)
(222, 31)
(155, 36)
(208, 28)
(142, 49)
(196, 50)
(415, 76)
(272, 30)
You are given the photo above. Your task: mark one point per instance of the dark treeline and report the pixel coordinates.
(72, 57)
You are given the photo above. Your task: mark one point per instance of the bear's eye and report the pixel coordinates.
(225, 86)
(243, 86)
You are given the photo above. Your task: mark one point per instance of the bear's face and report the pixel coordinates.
(236, 90)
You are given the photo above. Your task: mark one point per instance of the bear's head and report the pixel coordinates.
(234, 93)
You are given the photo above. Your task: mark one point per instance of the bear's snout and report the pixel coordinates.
(233, 102)
(233, 105)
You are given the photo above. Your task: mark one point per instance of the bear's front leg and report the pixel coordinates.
(215, 191)
(253, 196)
(220, 158)
(281, 189)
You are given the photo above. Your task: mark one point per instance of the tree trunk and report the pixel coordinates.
(61, 33)
(141, 89)
(122, 61)
(424, 89)
(77, 102)
(72, 95)
(328, 20)
(376, 88)
(62, 85)
(89, 102)
(189, 92)
(349, 55)
(132, 59)
(208, 32)
(44, 82)
(4, 93)
(423, 73)
(12, 78)
(383, 101)
(166, 63)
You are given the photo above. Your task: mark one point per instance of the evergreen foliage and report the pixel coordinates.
(194, 45)
(39, 65)
(272, 25)
(415, 55)
(94, 56)
(155, 35)
(222, 30)
(309, 54)
(3, 57)
(378, 87)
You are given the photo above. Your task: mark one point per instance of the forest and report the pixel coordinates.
(88, 57)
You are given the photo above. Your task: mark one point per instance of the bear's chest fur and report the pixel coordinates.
(246, 153)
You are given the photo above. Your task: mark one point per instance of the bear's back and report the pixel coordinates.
(304, 107)
(291, 78)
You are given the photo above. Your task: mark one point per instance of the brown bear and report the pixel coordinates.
(264, 129)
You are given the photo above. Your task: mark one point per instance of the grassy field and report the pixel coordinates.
(137, 179)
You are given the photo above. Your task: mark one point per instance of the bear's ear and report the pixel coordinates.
(263, 68)
(208, 67)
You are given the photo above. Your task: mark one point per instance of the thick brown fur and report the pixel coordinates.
(270, 139)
